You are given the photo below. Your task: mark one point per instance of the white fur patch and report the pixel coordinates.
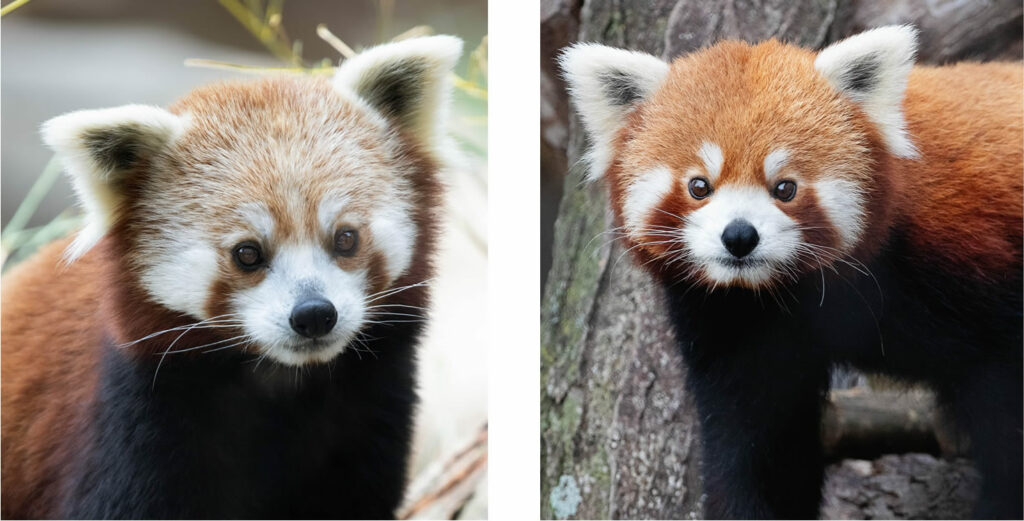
(711, 155)
(843, 202)
(391, 227)
(257, 216)
(296, 273)
(330, 207)
(94, 182)
(585, 65)
(888, 54)
(774, 162)
(359, 75)
(181, 279)
(644, 195)
(394, 235)
(776, 247)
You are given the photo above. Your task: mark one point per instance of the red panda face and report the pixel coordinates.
(738, 165)
(285, 209)
(746, 177)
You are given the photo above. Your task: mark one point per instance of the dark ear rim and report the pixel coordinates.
(117, 148)
(113, 139)
(871, 69)
(605, 85)
(621, 88)
(97, 148)
(407, 82)
(395, 89)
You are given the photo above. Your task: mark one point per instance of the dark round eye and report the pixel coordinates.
(785, 191)
(248, 256)
(699, 188)
(346, 242)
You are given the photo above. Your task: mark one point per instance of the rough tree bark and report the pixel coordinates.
(619, 434)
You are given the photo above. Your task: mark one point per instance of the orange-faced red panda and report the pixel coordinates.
(809, 210)
(233, 332)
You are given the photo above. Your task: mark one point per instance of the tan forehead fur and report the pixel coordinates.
(960, 202)
(749, 100)
(285, 141)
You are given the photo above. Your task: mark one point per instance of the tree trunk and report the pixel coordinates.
(619, 433)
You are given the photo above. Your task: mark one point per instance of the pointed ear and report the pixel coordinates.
(605, 85)
(871, 69)
(408, 82)
(99, 150)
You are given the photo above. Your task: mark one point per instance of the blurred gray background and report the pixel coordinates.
(62, 55)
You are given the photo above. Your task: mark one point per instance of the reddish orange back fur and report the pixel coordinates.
(49, 372)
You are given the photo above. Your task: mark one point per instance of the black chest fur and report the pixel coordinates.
(758, 365)
(218, 437)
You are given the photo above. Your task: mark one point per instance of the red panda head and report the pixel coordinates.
(745, 165)
(286, 208)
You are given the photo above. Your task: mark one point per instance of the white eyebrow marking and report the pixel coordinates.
(775, 161)
(711, 154)
(258, 215)
(329, 208)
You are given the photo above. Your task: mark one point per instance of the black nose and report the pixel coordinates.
(740, 238)
(313, 318)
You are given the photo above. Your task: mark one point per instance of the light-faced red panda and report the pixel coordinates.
(233, 332)
(809, 210)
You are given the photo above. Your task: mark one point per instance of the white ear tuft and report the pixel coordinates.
(98, 148)
(408, 82)
(606, 84)
(871, 68)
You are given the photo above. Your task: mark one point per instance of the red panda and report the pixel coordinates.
(226, 337)
(806, 210)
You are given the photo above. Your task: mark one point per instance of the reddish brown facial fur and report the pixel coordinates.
(960, 201)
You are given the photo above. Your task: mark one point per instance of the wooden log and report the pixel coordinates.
(864, 424)
(444, 488)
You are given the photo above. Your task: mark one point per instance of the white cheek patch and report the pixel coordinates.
(182, 281)
(711, 155)
(296, 273)
(644, 195)
(394, 235)
(774, 162)
(778, 235)
(843, 202)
